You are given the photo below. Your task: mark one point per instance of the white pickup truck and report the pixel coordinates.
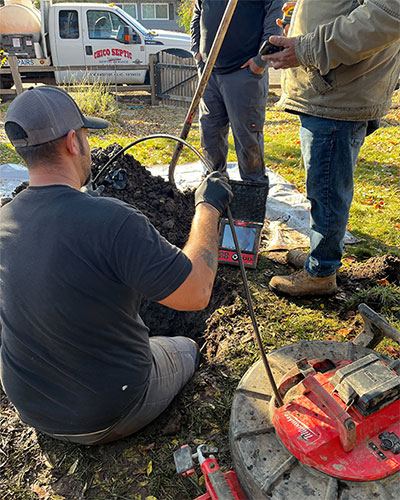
(68, 35)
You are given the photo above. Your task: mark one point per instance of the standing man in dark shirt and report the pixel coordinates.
(76, 358)
(237, 90)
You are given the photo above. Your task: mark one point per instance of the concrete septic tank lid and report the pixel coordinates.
(265, 468)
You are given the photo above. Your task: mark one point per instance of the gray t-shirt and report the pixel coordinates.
(75, 353)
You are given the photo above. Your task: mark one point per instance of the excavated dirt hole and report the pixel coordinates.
(171, 212)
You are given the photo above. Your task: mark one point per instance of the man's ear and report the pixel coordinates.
(71, 143)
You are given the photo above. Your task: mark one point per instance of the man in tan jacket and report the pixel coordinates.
(342, 61)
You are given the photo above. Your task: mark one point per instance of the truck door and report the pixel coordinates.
(105, 44)
(67, 43)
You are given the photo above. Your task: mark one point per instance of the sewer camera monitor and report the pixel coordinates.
(249, 237)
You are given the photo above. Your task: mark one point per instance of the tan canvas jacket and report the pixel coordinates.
(349, 51)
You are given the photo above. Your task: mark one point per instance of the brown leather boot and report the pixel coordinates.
(301, 283)
(296, 258)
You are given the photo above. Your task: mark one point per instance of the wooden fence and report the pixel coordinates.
(176, 79)
(15, 71)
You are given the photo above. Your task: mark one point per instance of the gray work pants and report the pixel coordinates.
(239, 99)
(175, 360)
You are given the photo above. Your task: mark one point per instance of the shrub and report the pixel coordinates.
(185, 11)
(94, 99)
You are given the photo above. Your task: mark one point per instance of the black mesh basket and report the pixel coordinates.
(249, 200)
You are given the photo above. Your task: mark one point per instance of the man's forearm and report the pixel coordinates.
(273, 12)
(203, 238)
(202, 250)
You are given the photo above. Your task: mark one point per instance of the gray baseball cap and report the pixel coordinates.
(45, 113)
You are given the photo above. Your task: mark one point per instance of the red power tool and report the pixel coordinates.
(220, 485)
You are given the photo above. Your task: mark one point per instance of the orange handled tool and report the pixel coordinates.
(287, 10)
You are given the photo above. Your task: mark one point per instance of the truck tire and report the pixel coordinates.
(179, 53)
(6, 84)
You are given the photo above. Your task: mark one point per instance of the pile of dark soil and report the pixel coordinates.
(386, 267)
(171, 212)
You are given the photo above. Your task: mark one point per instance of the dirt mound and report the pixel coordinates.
(171, 212)
(386, 267)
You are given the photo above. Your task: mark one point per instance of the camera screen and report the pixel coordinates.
(245, 236)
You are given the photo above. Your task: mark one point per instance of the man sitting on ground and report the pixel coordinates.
(76, 358)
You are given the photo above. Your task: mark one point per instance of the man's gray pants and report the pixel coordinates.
(238, 98)
(175, 360)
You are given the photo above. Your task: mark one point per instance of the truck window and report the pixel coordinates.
(68, 24)
(106, 25)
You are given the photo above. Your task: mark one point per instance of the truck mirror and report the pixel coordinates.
(130, 35)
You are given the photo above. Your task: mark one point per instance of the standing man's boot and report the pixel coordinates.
(301, 283)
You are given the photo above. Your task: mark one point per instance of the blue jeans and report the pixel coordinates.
(330, 149)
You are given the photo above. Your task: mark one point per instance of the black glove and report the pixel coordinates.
(215, 190)
(88, 189)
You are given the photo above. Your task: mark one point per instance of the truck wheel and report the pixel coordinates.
(5, 84)
(179, 53)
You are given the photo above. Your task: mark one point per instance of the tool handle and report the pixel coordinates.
(345, 424)
(214, 51)
(216, 485)
(287, 10)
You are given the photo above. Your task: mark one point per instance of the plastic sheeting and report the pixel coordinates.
(11, 176)
(287, 210)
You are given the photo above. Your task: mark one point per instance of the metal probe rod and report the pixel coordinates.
(214, 51)
(257, 335)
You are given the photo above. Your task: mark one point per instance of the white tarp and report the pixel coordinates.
(11, 176)
(287, 210)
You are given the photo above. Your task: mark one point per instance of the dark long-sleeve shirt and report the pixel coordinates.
(252, 22)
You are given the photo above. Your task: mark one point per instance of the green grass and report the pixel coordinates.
(375, 212)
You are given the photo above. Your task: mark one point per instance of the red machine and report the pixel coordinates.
(343, 417)
(220, 485)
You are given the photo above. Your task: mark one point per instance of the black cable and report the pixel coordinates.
(147, 138)
(257, 335)
(237, 248)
